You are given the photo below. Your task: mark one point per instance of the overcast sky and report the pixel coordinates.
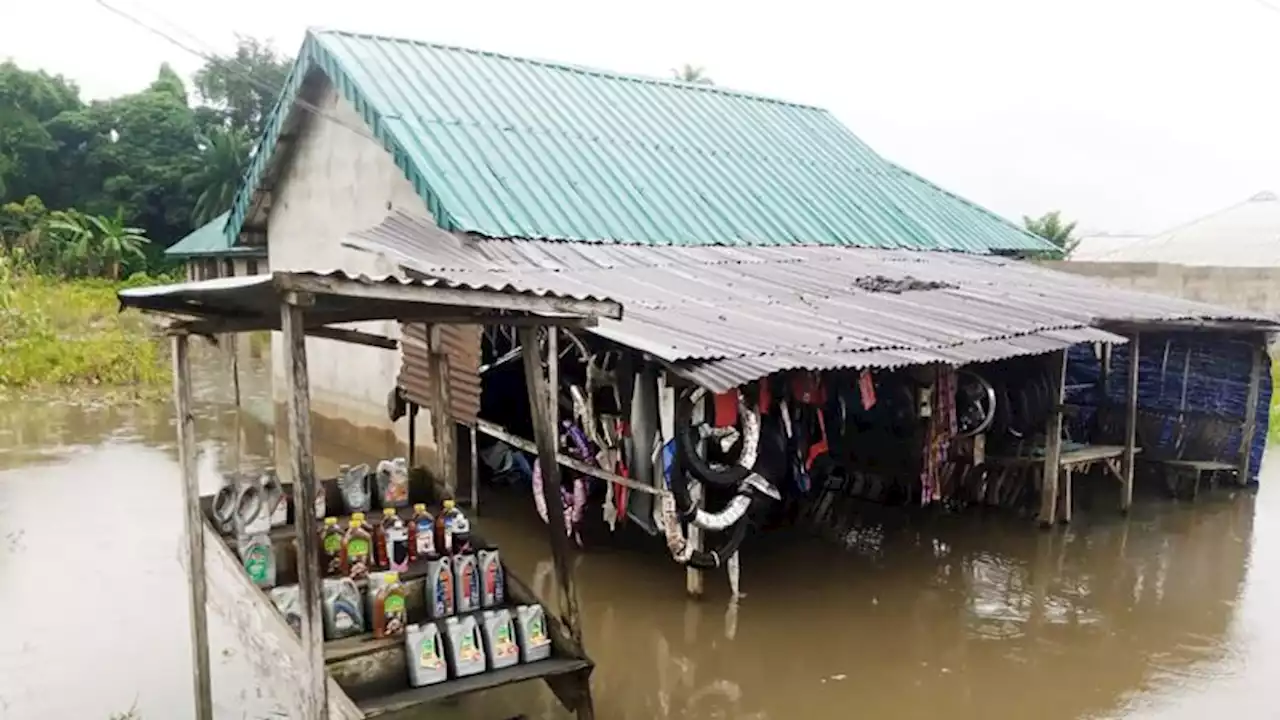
(1129, 115)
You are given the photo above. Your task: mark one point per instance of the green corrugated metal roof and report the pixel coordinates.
(209, 240)
(508, 147)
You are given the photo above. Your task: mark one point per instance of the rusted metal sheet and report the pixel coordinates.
(727, 315)
(461, 344)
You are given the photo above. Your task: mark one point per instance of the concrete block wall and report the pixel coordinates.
(1256, 289)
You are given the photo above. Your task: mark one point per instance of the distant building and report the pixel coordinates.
(208, 253)
(1103, 246)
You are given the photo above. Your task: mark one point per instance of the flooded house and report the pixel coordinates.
(804, 322)
(208, 252)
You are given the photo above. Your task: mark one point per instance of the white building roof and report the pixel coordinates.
(1243, 235)
(1101, 247)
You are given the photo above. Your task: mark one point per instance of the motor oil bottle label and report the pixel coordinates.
(429, 655)
(443, 599)
(505, 644)
(256, 563)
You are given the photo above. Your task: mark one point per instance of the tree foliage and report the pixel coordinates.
(1051, 227)
(104, 187)
(695, 74)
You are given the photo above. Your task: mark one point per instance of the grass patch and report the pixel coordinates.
(57, 333)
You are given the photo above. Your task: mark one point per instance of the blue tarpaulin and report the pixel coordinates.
(1218, 370)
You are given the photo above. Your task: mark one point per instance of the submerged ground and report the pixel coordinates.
(1169, 614)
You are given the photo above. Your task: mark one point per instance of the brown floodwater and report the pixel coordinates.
(1171, 613)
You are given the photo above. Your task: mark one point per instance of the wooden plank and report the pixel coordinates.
(693, 577)
(441, 420)
(1200, 465)
(1250, 426)
(354, 337)
(484, 681)
(1130, 424)
(1053, 444)
(540, 400)
(494, 430)
(193, 524)
(1091, 453)
(302, 467)
(474, 507)
(266, 641)
(1067, 482)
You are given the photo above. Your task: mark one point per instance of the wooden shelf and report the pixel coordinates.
(411, 697)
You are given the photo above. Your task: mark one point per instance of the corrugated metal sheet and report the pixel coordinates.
(210, 240)
(509, 147)
(1246, 234)
(730, 315)
(461, 345)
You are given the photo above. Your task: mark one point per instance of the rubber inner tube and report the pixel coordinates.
(687, 440)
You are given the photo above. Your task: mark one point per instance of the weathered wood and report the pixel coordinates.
(413, 697)
(265, 640)
(1250, 426)
(446, 296)
(354, 337)
(193, 524)
(213, 324)
(475, 471)
(1077, 456)
(1104, 380)
(494, 430)
(1067, 482)
(693, 577)
(545, 431)
(413, 434)
(302, 466)
(1053, 443)
(1130, 424)
(441, 421)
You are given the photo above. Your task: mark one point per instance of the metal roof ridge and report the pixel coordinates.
(571, 67)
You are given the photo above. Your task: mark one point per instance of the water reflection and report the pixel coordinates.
(965, 617)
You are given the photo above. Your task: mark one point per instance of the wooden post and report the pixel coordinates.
(1053, 444)
(693, 579)
(1130, 424)
(1250, 426)
(193, 524)
(543, 433)
(441, 422)
(303, 472)
(475, 472)
(1105, 376)
(1066, 494)
(413, 434)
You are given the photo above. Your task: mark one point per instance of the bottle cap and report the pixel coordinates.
(419, 507)
(330, 521)
(449, 504)
(391, 577)
(357, 517)
(388, 511)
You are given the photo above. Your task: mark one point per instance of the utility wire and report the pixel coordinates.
(234, 67)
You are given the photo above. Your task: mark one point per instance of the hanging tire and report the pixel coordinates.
(687, 442)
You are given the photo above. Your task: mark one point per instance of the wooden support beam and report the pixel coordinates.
(693, 577)
(540, 402)
(193, 525)
(303, 473)
(1130, 424)
(1053, 444)
(354, 337)
(1249, 427)
(413, 433)
(475, 472)
(211, 324)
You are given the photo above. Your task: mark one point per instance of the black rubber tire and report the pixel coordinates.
(693, 463)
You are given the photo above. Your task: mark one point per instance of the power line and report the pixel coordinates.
(231, 64)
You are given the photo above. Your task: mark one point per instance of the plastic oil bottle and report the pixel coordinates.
(331, 547)
(395, 538)
(357, 549)
(467, 579)
(439, 587)
(422, 534)
(424, 651)
(466, 648)
(531, 628)
(500, 638)
(492, 584)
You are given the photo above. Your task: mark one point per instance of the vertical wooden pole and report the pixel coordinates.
(553, 384)
(234, 344)
(1130, 424)
(303, 472)
(693, 579)
(441, 421)
(193, 525)
(1053, 443)
(475, 472)
(1250, 426)
(413, 434)
(544, 436)
(1105, 376)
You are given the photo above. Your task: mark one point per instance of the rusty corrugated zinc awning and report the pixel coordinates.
(722, 316)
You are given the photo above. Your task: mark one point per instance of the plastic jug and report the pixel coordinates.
(467, 580)
(424, 653)
(259, 559)
(422, 534)
(343, 608)
(465, 646)
(396, 539)
(274, 498)
(353, 484)
(286, 601)
(493, 591)
(531, 629)
(331, 547)
(389, 613)
(439, 587)
(500, 639)
(443, 527)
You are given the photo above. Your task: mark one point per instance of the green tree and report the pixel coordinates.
(695, 74)
(245, 86)
(1051, 227)
(224, 155)
(116, 242)
(28, 101)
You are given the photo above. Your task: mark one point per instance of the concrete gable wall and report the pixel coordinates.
(337, 182)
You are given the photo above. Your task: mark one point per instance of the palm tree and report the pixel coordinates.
(75, 242)
(1050, 227)
(225, 153)
(695, 74)
(117, 240)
